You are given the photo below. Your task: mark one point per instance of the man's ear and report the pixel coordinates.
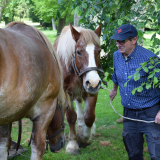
(134, 40)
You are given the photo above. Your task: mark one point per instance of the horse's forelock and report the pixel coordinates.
(66, 44)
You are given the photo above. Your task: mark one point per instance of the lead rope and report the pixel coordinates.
(124, 116)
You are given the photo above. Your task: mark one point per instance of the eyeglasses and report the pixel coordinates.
(121, 42)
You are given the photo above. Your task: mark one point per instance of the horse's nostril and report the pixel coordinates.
(61, 144)
(99, 84)
(87, 84)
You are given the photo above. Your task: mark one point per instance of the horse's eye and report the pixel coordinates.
(78, 53)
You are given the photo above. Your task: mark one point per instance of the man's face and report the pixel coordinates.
(127, 46)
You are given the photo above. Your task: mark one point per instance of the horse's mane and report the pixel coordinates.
(61, 96)
(66, 44)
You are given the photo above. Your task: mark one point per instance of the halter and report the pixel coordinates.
(100, 69)
(62, 125)
(55, 134)
(60, 130)
(86, 69)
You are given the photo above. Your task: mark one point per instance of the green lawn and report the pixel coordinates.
(107, 130)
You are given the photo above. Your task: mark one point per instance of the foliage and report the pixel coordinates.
(16, 7)
(112, 14)
(48, 9)
(152, 68)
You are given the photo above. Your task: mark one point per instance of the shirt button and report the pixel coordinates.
(126, 94)
(128, 104)
(126, 62)
(125, 73)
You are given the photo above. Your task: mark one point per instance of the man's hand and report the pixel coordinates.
(112, 94)
(157, 119)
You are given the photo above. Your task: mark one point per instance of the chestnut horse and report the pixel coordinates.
(30, 81)
(79, 52)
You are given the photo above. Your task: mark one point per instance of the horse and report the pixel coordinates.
(79, 50)
(31, 84)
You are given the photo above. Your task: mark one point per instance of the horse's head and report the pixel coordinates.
(55, 132)
(87, 58)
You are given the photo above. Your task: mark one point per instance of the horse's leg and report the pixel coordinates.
(72, 146)
(5, 140)
(40, 126)
(88, 129)
(80, 114)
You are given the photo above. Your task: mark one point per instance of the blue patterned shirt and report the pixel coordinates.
(126, 67)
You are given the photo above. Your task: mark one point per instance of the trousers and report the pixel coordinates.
(133, 132)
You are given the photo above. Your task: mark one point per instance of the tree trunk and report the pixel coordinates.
(7, 20)
(53, 25)
(76, 19)
(1, 12)
(61, 24)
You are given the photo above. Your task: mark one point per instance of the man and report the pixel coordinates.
(143, 105)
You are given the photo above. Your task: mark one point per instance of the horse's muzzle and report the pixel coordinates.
(59, 145)
(92, 88)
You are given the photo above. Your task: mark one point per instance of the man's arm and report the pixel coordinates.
(113, 92)
(157, 119)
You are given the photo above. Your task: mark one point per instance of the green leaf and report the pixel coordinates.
(134, 91)
(153, 36)
(84, 5)
(140, 89)
(136, 76)
(151, 75)
(144, 64)
(148, 85)
(157, 70)
(130, 76)
(140, 33)
(78, 11)
(150, 67)
(120, 22)
(125, 84)
(158, 6)
(155, 80)
(145, 69)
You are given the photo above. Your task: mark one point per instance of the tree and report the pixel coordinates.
(60, 12)
(4, 3)
(16, 7)
(112, 14)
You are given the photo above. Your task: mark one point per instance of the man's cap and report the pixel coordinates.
(125, 31)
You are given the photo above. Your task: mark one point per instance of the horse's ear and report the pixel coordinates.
(75, 33)
(98, 30)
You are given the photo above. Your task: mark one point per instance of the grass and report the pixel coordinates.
(108, 130)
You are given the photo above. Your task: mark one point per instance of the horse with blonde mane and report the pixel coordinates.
(79, 50)
(31, 80)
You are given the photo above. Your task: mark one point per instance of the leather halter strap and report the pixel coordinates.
(86, 69)
(62, 125)
(100, 69)
(55, 134)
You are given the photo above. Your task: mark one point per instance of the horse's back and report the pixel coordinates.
(27, 70)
